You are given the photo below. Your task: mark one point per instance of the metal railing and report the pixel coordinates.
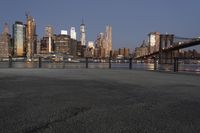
(176, 66)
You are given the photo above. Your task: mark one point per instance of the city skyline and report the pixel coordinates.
(131, 20)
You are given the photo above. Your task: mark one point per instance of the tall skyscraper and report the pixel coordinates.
(107, 41)
(31, 37)
(19, 39)
(83, 34)
(49, 33)
(73, 33)
(5, 42)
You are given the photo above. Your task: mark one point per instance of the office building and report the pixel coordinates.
(73, 33)
(19, 30)
(31, 37)
(65, 45)
(48, 35)
(107, 44)
(83, 34)
(5, 43)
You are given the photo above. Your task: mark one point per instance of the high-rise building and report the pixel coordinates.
(4, 49)
(31, 37)
(5, 42)
(49, 34)
(107, 41)
(73, 33)
(99, 40)
(83, 34)
(19, 39)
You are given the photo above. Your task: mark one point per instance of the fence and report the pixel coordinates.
(179, 64)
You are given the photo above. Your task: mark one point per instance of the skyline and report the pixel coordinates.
(131, 20)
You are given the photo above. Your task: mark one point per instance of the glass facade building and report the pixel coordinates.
(31, 37)
(19, 39)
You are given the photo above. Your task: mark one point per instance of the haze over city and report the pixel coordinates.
(131, 20)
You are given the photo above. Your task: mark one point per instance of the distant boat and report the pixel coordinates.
(74, 61)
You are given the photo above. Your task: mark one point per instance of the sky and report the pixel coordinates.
(131, 20)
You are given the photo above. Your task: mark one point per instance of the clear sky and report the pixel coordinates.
(131, 20)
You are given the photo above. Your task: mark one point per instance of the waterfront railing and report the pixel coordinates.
(177, 64)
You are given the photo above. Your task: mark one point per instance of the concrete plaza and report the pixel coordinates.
(98, 101)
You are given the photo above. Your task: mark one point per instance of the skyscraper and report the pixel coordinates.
(99, 51)
(19, 39)
(49, 34)
(5, 42)
(73, 33)
(83, 34)
(99, 40)
(31, 37)
(107, 41)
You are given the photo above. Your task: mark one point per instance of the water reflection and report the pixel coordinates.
(150, 66)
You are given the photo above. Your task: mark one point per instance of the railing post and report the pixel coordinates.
(109, 62)
(175, 64)
(110, 59)
(10, 62)
(130, 63)
(63, 63)
(155, 63)
(86, 62)
(40, 62)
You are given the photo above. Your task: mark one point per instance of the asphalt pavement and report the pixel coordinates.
(98, 101)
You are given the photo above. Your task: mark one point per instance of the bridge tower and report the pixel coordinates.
(166, 41)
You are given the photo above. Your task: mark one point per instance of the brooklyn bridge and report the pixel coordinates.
(166, 48)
